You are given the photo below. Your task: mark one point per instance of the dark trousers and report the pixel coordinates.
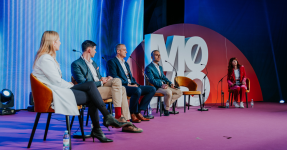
(87, 93)
(135, 93)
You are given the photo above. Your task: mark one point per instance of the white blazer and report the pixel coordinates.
(48, 72)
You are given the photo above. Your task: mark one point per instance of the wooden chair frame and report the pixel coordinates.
(40, 108)
(192, 87)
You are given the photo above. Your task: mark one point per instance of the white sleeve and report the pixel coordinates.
(48, 67)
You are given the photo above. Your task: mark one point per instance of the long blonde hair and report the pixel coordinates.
(46, 46)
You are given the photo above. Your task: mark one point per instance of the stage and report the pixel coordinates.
(262, 127)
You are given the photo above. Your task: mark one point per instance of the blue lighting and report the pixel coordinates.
(22, 24)
(282, 101)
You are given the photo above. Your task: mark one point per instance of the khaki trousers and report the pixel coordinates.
(114, 89)
(170, 96)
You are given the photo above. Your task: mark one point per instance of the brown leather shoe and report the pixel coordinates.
(141, 117)
(132, 129)
(135, 119)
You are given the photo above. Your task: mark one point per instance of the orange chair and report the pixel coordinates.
(247, 91)
(106, 101)
(43, 98)
(192, 87)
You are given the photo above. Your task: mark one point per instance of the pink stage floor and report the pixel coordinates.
(260, 128)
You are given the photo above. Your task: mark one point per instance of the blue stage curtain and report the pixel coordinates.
(22, 23)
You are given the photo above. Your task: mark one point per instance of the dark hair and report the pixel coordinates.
(87, 44)
(230, 66)
(153, 52)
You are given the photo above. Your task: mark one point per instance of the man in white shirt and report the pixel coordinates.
(85, 69)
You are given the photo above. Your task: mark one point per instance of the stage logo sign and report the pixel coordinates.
(188, 55)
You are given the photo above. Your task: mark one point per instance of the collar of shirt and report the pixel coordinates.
(121, 61)
(92, 69)
(91, 61)
(157, 67)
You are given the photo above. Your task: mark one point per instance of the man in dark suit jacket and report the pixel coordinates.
(156, 77)
(119, 68)
(85, 69)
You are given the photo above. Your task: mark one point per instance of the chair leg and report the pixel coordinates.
(72, 122)
(157, 107)
(161, 103)
(173, 106)
(47, 125)
(146, 111)
(34, 129)
(188, 102)
(111, 108)
(231, 101)
(87, 120)
(82, 115)
(81, 126)
(184, 103)
(246, 101)
(69, 130)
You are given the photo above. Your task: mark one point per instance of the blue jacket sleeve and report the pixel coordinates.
(77, 73)
(113, 71)
(152, 80)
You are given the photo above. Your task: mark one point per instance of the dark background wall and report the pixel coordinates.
(256, 27)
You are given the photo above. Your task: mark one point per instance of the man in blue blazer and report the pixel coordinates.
(119, 68)
(156, 77)
(85, 69)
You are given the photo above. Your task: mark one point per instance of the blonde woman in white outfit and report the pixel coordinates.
(66, 96)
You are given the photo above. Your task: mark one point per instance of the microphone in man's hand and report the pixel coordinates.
(176, 83)
(140, 68)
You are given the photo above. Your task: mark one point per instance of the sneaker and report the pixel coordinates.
(241, 105)
(236, 104)
(132, 129)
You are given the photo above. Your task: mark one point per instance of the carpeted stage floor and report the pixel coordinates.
(260, 128)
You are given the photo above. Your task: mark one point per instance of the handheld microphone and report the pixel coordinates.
(176, 84)
(140, 68)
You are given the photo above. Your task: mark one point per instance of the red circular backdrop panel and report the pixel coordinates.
(220, 50)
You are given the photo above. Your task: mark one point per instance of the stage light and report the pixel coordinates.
(6, 93)
(6, 101)
(282, 101)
